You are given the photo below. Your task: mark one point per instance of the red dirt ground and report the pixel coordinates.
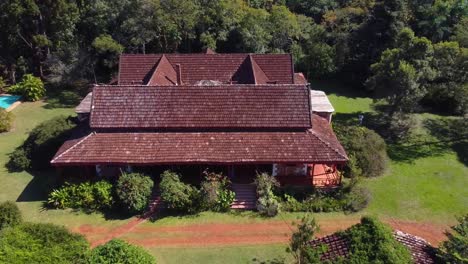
(219, 234)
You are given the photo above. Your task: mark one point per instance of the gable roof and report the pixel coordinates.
(138, 69)
(190, 107)
(299, 78)
(163, 74)
(199, 148)
(338, 246)
(85, 105)
(250, 73)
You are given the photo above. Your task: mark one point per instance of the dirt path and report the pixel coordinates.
(219, 234)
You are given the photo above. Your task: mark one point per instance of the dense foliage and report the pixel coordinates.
(366, 150)
(86, 195)
(119, 251)
(10, 215)
(42, 144)
(357, 41)
(41, 243)
(177, 195)
(215, 192)
(455, 249)
(350, 197)
(133, 191)
(268, 203)
(6, 120)
(30, 88)
(373, 242)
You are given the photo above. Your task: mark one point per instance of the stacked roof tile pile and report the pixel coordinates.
(337, 246)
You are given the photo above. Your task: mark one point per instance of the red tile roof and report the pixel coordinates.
(338, 246)
(138, 68)
(299, 78)
(163, 74)
(198, 148)
(190, 107)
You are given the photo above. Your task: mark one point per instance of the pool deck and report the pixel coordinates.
(13, 105)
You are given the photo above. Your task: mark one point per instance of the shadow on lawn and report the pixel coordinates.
(445, 135)
(338, 88)
(38, 188)
(271, 261)
(453, 133)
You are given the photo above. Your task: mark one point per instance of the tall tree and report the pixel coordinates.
(402, 74)
(35, 29)
(385, 20)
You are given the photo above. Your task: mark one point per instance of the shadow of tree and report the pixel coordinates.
(63, 99)
(445, 135)
(453, 133)
(271, 261)
(338, 88)
(408, 152)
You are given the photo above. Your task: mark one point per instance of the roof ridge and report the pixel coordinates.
(256, 67)
(74, 145)
(326, 143)
(162, 62)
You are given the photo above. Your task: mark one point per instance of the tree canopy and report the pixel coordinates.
(355, 41)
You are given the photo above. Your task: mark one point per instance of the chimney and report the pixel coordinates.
(179, 74)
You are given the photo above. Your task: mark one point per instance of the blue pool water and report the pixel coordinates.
(7, 100)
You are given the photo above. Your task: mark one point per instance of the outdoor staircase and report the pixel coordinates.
(155, 205)
(246, 196)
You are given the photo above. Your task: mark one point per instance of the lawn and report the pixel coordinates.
(27, 189)
(426, 181)
(422, 184)
(225, 255)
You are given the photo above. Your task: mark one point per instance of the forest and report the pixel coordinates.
(413, 53)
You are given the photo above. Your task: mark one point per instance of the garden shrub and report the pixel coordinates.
(18, 160)
(373, 242)
(119, 251)
(367, 151)
(349, 197)
(267, 203)
(134, 191)
(10, 215)
(401, 126)
(41, 243)
(86, 195)
(357, 199)
(317, 202)
(178, 195)
(6, 120)
(30, 88)
(42, 144)
(455, 249)
(215, 193)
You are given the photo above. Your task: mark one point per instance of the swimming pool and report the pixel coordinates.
(7, 100)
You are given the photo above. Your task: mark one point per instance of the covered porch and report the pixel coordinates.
(318, 175)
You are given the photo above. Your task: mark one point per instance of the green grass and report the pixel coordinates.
(424, 182)
(27, 189)
(222, 255)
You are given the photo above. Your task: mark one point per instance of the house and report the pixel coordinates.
(238, 114)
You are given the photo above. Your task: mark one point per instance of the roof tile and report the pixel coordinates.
(189, 107)
(138, 68)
